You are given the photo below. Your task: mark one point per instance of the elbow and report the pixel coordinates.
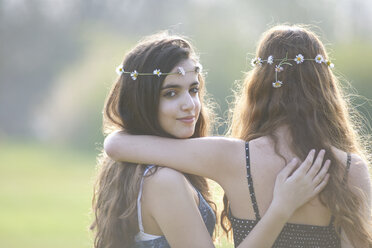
(110, 148)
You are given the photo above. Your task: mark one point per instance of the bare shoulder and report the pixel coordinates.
(358, 170)
(264, 160)
(164, 179)
(360, 180)
(263, 147)
(166, 188)
(263, 142)
(263, 154)
(166, 191)
(359, 173)
(358, 167)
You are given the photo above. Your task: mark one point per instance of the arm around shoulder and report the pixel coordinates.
(211, 157)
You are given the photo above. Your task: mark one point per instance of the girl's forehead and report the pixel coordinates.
(187, 65)
(189, 77)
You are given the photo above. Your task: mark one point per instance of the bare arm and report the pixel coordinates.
(211, 157)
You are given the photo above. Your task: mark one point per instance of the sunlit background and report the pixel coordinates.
(58, 60)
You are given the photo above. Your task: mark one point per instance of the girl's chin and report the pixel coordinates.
(181, 132)
(185, 135)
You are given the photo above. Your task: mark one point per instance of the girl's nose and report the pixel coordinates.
(187, 102)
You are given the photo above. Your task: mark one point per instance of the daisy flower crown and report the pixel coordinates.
(134, 74)
(299, 59)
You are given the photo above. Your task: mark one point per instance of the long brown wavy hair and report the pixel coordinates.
(133, 106)
(312, 105)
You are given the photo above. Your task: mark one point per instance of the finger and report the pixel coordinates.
(322, 173)
(321, 186)
(289, 168)
(317, 164)
(305, 165)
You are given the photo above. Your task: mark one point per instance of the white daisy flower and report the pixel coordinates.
(256, 61)
(278, 68)
(253, 62)
(299, 58)
(277, 84)
(259, 61)
(270, 59)
(330, 64)
(198, 68)
(120, 70)
(181, 71)
(319, 58)
(134, 75)
(157, 72)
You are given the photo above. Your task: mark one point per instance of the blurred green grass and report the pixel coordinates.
(45, 196)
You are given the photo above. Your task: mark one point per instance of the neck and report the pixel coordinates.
(283, 133)
(284, 139)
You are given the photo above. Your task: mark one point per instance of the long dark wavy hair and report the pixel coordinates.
(133, 106)
(312, 105)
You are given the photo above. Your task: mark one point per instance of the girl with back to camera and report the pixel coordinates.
(289, 103)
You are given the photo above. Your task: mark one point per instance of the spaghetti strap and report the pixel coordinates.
(139, 213)
(250, 182)
(331, 221)
(348, 163)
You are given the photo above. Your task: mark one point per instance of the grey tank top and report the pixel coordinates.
(206, 212)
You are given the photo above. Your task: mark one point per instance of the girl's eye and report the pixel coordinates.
(194, 90)
(170, 93)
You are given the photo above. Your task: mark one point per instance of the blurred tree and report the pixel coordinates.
(50, 77)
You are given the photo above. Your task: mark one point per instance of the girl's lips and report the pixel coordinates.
(189, 119)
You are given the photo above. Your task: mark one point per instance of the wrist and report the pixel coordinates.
(282, 210)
